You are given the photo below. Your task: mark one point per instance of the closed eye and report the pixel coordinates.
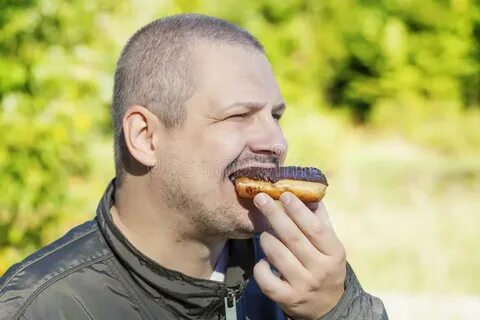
(239, 116)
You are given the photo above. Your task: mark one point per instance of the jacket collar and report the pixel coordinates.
(170, 284)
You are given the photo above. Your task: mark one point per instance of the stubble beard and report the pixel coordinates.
(223, 221)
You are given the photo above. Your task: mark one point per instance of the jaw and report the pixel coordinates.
(244, 218)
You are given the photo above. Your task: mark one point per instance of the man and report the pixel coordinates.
(194, 100)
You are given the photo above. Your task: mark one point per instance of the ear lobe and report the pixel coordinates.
(140, 128)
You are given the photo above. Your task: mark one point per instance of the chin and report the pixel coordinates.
(249, 222)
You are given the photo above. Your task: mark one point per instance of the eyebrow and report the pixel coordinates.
(258, 105)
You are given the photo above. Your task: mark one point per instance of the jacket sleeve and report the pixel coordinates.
(355, 303)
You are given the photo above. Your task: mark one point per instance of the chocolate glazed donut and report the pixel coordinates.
(308, 184)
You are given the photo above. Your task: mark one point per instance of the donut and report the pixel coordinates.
(307, 183)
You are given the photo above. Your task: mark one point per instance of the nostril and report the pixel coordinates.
(279, 150)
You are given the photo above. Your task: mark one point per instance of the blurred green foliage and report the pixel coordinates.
(53, 91)
(408, 69)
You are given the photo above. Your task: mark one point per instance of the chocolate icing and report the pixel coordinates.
(274, 174)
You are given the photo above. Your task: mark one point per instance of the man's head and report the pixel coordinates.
(194, 99)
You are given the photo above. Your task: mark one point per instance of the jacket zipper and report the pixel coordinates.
(230, 301)
(230, 304)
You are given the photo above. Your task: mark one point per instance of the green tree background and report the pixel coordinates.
(383, 95)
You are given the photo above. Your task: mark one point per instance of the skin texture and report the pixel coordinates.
(178, 193)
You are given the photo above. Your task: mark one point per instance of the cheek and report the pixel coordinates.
(223, 148)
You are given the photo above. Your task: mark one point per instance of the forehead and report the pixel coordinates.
(227, 73)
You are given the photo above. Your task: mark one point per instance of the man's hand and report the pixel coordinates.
(305, 250)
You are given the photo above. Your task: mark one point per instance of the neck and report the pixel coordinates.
(161, 234)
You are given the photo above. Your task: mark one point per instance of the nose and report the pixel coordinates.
(266, 137)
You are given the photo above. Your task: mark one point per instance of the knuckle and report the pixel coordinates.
(292, 299)
(275, 256)
(295, 207)
(315, 283)
(293, 237)
(317, 229)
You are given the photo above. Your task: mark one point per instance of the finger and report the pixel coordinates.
(272, 286)
(322, 213)
(315, 226)
(286, 230)
(282, 259)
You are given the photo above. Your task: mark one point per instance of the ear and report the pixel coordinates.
(141, 129)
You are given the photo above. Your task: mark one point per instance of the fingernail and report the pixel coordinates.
(285, 197)
(260, 199)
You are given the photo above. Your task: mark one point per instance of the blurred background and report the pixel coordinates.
(384, 96)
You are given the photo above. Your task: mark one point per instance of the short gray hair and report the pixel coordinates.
(155, 69)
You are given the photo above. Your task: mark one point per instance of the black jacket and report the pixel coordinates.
(93, 272)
